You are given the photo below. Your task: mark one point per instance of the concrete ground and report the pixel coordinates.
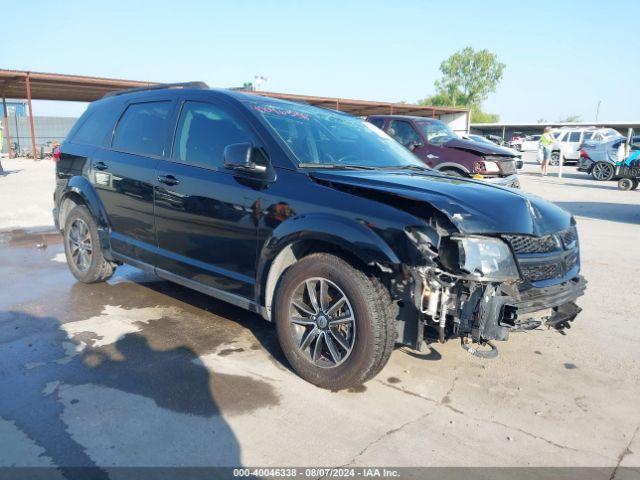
(141, 372)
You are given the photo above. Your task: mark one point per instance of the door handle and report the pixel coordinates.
(168, 180)
(100, 166)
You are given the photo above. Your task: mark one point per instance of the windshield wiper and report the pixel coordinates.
(336, 166)
(417, 168)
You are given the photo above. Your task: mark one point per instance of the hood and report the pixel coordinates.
(476, 147)
(472, 206)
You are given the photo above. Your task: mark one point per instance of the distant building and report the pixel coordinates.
(508, 130)
(16, 108)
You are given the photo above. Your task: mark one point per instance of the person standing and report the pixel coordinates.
(546, 141)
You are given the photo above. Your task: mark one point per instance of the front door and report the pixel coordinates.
(205, 216)
(405, 133)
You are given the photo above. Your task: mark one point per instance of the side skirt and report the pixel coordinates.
(231, 298)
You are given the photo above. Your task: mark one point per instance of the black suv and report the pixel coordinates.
(313, 219)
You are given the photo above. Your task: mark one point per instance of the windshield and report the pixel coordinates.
(480, 139)
(436, 132)
(324, 138)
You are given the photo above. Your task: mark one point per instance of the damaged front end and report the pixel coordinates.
(480, 288)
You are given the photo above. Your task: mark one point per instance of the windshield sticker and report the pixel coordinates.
(270, 109)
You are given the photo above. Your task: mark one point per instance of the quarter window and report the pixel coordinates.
(204, 130)
(142, 128)
(98, 127)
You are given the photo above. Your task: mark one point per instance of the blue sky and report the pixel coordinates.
(561, 56)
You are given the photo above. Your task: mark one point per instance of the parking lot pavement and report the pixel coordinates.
(141, 372)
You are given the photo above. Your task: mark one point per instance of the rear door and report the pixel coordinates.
(571, 148)
(205, 214)
(125, 176)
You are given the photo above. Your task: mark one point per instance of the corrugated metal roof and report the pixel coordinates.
(54, 86)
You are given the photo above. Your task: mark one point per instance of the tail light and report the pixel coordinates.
(56, 155)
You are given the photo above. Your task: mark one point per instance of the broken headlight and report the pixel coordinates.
(478, 258)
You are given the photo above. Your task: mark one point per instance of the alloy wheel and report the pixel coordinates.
(80, 245)
(323, 322)
(601, 171)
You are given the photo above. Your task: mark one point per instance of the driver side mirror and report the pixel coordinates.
(244, 157)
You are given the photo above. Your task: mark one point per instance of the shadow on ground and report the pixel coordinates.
(159, 362)
(613, 212)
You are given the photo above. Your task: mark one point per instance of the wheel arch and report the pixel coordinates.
(298, 238)
(79, 191)
(453, 166)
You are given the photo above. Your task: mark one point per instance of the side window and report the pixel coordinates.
(403, 132)
(98, 127)
(204, 130)
(574, 137)
(142, 128)
(378, 122)
(587, 136)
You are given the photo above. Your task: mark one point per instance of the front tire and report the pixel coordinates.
(82, 247)
(602, 171)
(336, 326)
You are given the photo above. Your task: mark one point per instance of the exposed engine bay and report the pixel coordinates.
(480, 289)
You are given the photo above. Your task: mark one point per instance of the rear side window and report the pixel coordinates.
(574, 137)
(142, 128)
(98, 127)
(204, 130)
(378, 122)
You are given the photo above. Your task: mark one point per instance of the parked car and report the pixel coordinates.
(488, 141)
(516, 141)
(598, 157)
(439, 147)
(567, 144)
(530, 143)
(315, 220)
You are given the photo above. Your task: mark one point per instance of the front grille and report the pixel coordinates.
(546, 258)
(569, 237)
(536, 273)
(528, 244)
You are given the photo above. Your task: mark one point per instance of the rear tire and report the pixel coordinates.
(555, 159)
(304, 318)
(82, 247)
(602, 171)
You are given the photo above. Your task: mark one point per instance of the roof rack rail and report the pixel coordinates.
(158, 86)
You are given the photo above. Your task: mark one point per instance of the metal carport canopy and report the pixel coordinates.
(55, 86)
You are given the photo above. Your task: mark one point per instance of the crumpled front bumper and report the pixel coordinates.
(533, 299)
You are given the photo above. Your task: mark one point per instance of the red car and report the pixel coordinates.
(441, 149)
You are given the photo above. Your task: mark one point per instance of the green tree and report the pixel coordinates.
(468, 76)
(478, 116)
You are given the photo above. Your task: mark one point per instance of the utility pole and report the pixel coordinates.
(598, 110)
